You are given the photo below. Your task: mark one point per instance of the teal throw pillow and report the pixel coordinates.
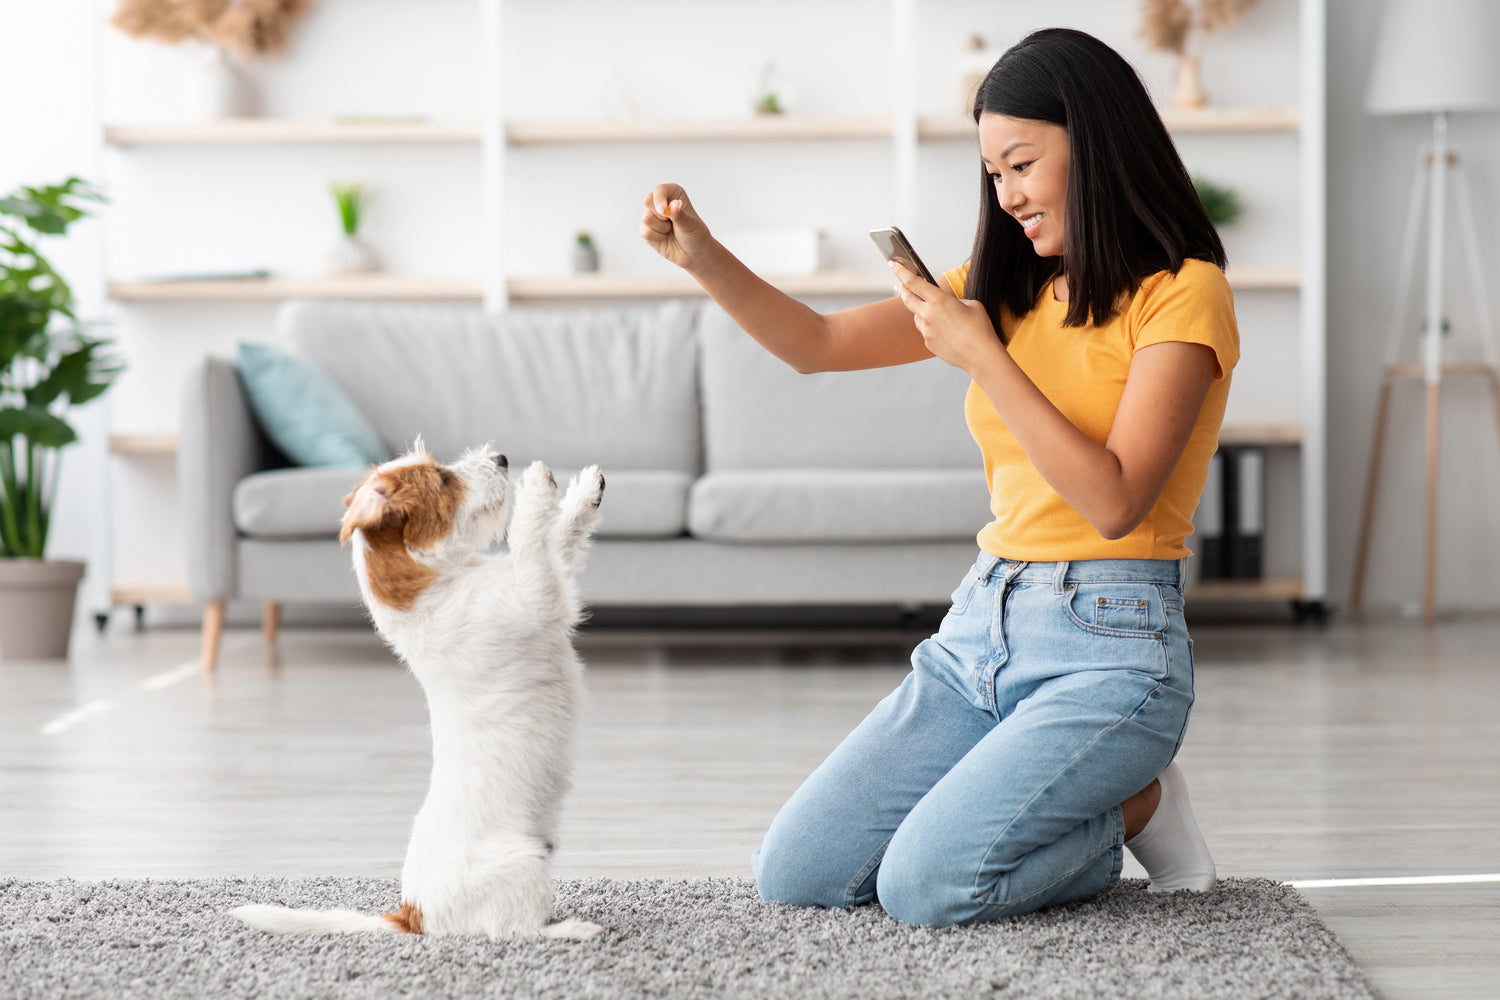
(303, 411)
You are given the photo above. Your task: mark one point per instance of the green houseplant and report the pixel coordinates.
(48, 365)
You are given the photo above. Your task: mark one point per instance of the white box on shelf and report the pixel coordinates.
(779, 251)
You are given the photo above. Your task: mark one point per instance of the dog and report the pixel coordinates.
(490, 637)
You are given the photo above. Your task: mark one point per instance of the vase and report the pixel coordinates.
(36, 607)
(1189, 93)
(352, 255)
(224, 88)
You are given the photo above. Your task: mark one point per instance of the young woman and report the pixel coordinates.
(1034, 737)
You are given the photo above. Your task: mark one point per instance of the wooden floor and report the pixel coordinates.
(1352, 752)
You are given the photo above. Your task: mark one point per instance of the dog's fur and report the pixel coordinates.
(489, 636)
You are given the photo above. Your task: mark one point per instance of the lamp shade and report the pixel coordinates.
(1436, 55)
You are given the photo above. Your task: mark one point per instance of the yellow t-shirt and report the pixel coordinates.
(1082, 370)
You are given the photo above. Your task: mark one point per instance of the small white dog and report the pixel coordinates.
(489, 637)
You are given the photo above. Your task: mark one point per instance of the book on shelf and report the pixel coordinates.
(1229, 525)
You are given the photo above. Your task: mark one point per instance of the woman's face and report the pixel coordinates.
(1028, 164)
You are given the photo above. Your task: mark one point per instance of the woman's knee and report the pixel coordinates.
(802, 871)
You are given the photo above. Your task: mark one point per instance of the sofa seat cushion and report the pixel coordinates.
(295, 503)
(839, 505)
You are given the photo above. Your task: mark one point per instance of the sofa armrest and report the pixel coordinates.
(219, 444)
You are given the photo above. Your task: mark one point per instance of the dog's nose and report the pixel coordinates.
(500, 461)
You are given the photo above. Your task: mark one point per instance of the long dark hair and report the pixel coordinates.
(1131, 207)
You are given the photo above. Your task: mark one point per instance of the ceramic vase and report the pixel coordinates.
(1189, 93)
(224, 88)
(352, 255)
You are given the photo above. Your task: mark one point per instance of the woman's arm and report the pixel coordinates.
(870, 336)
(1113, 485)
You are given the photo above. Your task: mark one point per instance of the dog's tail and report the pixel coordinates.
(280, 920)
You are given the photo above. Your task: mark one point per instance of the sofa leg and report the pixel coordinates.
(270, 622)
(213, 630)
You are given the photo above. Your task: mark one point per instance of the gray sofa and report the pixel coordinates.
(733, 481)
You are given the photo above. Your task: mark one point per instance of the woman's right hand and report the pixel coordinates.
(673, 228)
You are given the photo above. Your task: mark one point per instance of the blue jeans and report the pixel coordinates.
(989, 783)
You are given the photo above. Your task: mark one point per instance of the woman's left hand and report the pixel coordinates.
(957, 330)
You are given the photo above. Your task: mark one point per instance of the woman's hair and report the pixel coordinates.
(1131, 207)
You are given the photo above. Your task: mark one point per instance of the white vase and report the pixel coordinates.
(223, 89)
(352, 255)
(1189, 93)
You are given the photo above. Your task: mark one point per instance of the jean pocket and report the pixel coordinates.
(959, 602)
(1126, 610)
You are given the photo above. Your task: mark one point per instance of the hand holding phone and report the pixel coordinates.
(894, 246)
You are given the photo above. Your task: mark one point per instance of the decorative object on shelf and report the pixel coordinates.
(973, 66)
(48, 365)
(1174, 25)
(1222, 202)
(1431, 58)
(585, 254)
(232, 33)
(768, 93)
(350, 255)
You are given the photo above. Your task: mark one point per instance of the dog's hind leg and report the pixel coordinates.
(580, 515)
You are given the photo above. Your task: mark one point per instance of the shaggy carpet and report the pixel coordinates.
(164, 939)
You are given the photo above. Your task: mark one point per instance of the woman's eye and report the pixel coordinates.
(1020, 168)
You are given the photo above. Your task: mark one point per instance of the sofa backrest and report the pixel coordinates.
(613, 386)
(761, 413)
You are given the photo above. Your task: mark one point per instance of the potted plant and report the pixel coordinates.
(350, 255)
(1175, 26)
(48, 365)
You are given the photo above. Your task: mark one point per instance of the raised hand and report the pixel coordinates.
(673, 228)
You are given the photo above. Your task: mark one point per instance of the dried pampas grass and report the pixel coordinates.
(251, 29)
(1167, 25)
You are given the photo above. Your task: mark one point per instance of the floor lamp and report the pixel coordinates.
(1432, 57)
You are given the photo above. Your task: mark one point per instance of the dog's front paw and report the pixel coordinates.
(587, 488)
(538, 480)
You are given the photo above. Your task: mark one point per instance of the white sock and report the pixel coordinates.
(1171, 848)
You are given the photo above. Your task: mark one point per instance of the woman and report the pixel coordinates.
(1034, 737)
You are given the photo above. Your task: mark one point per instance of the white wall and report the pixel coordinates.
(248, 207)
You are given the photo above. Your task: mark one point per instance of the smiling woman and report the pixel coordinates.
(1012, 765)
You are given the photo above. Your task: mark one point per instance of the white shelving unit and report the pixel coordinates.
(903, 136)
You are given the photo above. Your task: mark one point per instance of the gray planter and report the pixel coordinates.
(36, 607)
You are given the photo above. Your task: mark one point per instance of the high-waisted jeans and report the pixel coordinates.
(989, 783)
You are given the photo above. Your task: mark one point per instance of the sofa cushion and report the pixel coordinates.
(759, 413)
(304, 411)
(839, 505)
(293, 503)
(612, 386)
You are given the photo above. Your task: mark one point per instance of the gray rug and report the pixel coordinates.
(707, 938)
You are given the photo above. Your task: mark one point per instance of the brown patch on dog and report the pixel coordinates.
(396, 509)
(407, 920)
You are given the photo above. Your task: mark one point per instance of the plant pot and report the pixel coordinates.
(585, 258)
(352, 255)
(36, 607)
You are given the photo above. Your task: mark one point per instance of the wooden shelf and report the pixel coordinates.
(151, 593)
(143, 444)
(561, 286)
(552, 131)
(1288, 588)
(380, 286)
(271, 131)
(1240, 435)
(564, 131)
(1209, 119)
(670, 285)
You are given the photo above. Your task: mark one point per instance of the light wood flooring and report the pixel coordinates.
(1348, 752)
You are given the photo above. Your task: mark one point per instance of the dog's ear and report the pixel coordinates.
(366, 507)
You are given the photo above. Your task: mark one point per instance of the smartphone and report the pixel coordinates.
(893, 244)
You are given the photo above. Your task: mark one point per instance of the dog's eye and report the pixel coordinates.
(445, 476)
